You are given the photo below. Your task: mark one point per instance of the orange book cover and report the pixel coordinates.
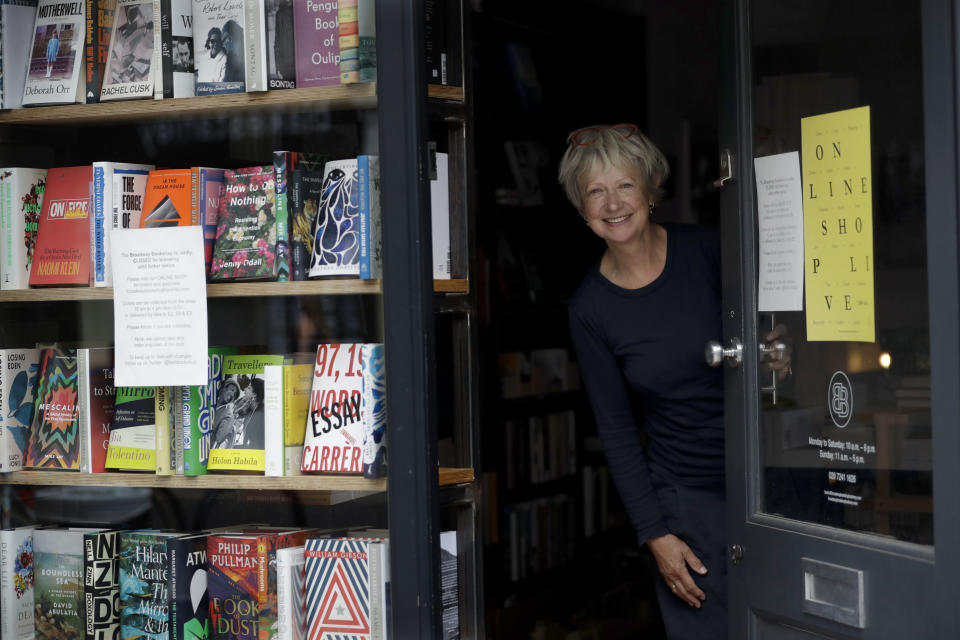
(62, 252)
(166, 202)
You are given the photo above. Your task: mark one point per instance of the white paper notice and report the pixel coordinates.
(780, 220)
(159, 306)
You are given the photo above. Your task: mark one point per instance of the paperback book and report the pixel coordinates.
(18, 384)
(286, 403)
(196, 413)
(218, 46)
(371, 223)
(97, 44)
(176, 48)
(440, 219)
(255, 46)
(206, 189)
(132, 445)
(304, 201)
(189, 599)
(316, 43)
(62, 253)
(144, 586)
(245, 247)
(58, 579)
(55, 433)
(336, 242)
(358, 41)
(129, 72)
(163, 417)
(55, 72)
(17, 18)
(129, 188)
(21, 200)
(16, 583)
(374, 410)
(167, 200)
(101, 584)
(104, 184)
(281, 66)
(291, 594)
(97, 393)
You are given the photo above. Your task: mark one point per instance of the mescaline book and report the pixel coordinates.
(55, 432)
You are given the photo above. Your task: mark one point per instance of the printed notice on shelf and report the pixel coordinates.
(780, 222)
(159, 306)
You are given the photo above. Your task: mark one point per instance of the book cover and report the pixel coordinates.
(232, 565)
(196, 413)
(371, 222)
(104, 183)
(333, 439)
(167, 199)
(245, 247)
(291, 595)
(97, 393)
(284, 164)
(16, 583)
(206, 189)
(238, 437)
(58, 579)
(129, 71)
(286, 403)
(269, 542)
(18, 385)
(189, 599)
(62, 253)
(336, 242)
(21, 201)
(133, 433)
(316, 43)
(144, 584)
(55, 433)
(440, 219)
(163, 412)
(304, 202)
(218, 46)
(374, 409)
(129, 188)
(55, 72)
(17, 18)
(281, 66)
(176, 48)
(358, 41)
(255, 45)
(449, 586)
(101, 584)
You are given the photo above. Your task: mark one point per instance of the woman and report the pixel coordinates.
(53, 48)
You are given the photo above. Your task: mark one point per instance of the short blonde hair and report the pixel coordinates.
(609, 148)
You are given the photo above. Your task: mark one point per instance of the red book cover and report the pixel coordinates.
(232, 562)
(62, 254)
(268, 540)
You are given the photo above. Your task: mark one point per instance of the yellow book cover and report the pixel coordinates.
(164, 416)
(133, 445)
(297, 380)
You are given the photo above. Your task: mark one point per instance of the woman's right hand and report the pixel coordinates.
(673, 556)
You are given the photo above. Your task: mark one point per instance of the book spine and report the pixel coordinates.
(349, 41)
(363, 187)
(273, 420)
(102, 180)
(156, 61)
(16, 584)
(83, 374)
(196, 439)
(173, 576)
(166, 49)
(90, 53)
(374, 411)
(299, 251)
(177, 435)
(162, 433)
(283, 162)
(195, 196)
(255, 46)
(5, 436)
(8, 628)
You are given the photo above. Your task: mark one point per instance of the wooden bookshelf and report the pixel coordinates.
(445, 92)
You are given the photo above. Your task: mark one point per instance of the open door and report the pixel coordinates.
(840, 223)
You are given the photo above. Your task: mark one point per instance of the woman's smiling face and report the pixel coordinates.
(615, 203)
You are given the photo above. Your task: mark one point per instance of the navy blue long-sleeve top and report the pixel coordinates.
(641, 354)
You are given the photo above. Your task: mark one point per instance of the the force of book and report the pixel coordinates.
(300, 216)
(243, 582)
(271, 414)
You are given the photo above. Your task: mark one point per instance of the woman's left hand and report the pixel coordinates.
(779, 358)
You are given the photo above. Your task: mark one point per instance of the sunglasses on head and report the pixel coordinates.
(589, 135)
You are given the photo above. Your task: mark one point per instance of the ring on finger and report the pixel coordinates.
(674, 586)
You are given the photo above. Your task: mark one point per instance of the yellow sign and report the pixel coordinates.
(838, 226)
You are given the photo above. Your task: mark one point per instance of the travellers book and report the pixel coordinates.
(333, 439)
(206, 189)
(374, 408)
(245, 247)
(286, 403)
(371, 223)
(196, 415)
(18, 384)
(97, 44)
(316, 44)
(55, 73)
(167, 200)
(101, 584)
(95, 367)
(58, 591)
(144, 585)
(130, 64)
(218, 36)
(291, 596)
(176, 48)
(281, 66)
(237, 437)
(21, 200)
(16, 30)
(16, 583)
(336, 240)
(55, 433)
(62, 253)
(107, 190)
(133, 443)
(189, 599)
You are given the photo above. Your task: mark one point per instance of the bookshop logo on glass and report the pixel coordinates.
(840, 399)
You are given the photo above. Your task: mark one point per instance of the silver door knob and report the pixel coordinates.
(715, 353)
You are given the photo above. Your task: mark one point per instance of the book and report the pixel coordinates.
(55, 74)
(189, 599)
(291, 596)
(440, 219)
(374, 410)
(97, 394)
(16, 29)
(316, 44)
(451, 56)
(17, 577)
(176, 48)
(129, 187)
(218, 46)
(97, 44)
(286, 402)
(237, 438)
(58, 583)
(449, 586)
(144, 584)
(55, 433)
(434, 38)
(167, 200)
(371, 222)
(304, 191)
(336, 241)
(163, 412)
(104, 184)
(197, 412)
(281, 53)
(245, 247)
(232, 585)
(358, 41)
(101, 584)
(133, 443)
(255, 45)
(130, 62)
(62, 253)
(333, 439)
(18, 384)
(21, 200)
(284, 165)
(270, 541)
(206, 189)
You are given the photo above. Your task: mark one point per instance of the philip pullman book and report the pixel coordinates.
(55, 434)
(232, 565)
(55, 74)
